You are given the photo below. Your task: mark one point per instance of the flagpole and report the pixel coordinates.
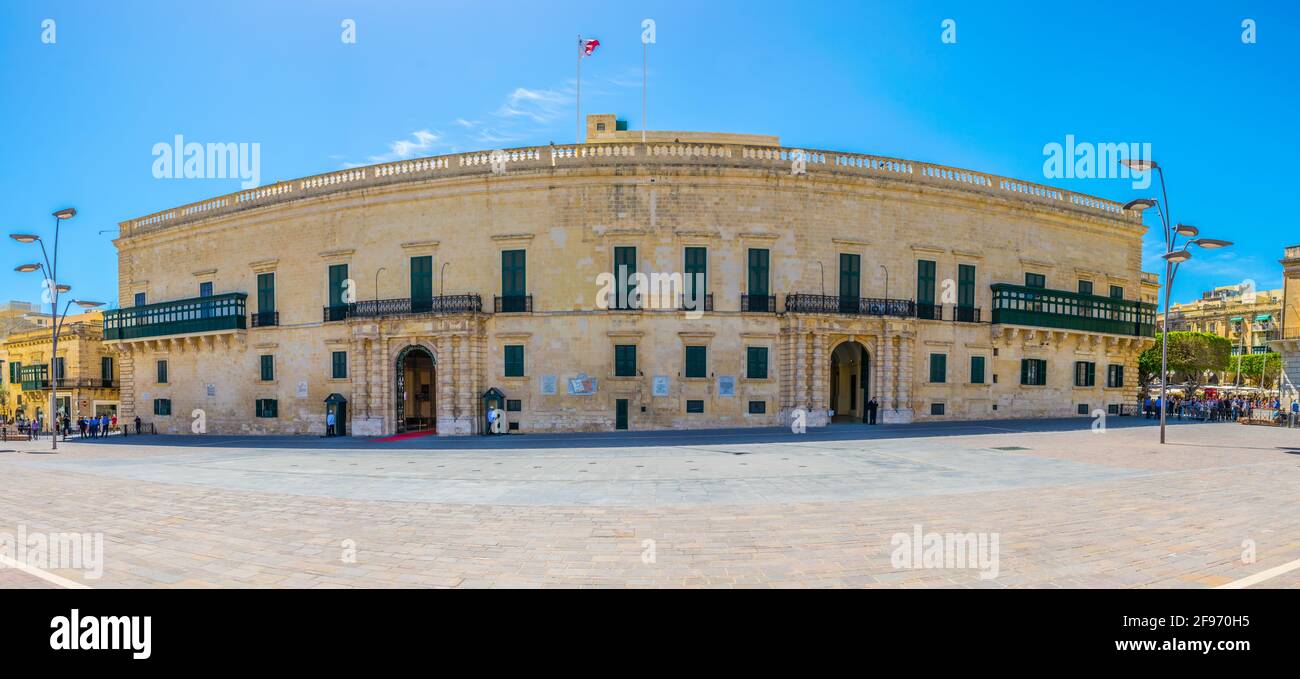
(577, 109)
(645, 50)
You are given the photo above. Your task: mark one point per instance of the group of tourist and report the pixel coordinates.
(1210, 408)
(94, 427)
(89, 427)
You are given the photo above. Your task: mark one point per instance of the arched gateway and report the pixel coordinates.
(415, 375)
(850, 382)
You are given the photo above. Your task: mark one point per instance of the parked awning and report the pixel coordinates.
(1236, 319)
(1264, 317)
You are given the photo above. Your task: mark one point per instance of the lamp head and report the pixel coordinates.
(1177, 256)
(1187, 230)
(66, 213)
(1139, 165)
(27, 268)
(24, 237)
(1212, 243)
(1139, 204)
(86, 304)
(62, 288)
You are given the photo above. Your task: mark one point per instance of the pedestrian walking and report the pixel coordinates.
(872, 406)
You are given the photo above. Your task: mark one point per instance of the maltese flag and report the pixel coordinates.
(588, 46)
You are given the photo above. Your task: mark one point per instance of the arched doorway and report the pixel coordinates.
(415, 390)
(850, 382)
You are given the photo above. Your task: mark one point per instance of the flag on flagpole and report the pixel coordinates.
(589, 46)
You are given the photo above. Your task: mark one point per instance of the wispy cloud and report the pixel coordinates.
(540, 106)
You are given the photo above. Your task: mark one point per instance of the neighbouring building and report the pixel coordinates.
(413, 295)
(1250, 319)
(84, 374)
(1288, 342)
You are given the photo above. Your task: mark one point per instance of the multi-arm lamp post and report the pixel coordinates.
(53, 290)
(1173, 257)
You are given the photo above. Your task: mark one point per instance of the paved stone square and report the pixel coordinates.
(752, 508)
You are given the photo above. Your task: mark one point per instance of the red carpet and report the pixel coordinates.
(406, 436)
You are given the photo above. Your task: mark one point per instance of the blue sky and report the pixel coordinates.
(80, 117)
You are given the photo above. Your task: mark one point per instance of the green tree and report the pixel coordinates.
(1191, 355)
(1256, 369)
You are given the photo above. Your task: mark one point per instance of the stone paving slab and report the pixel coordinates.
(1073, 510)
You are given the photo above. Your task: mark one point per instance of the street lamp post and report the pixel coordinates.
(1174, 256)
(52, 289)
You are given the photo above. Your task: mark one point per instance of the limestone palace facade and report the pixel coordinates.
(687, 280)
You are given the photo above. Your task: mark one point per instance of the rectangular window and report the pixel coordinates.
(850, 276)
(267, 368)
(756, 363)
(938, 368)
(1117, 292)
(1083, 408)
(1112, 409)
(162, 406)
(1114, 376)
(205, 289)
(265, 293)
(695, 406)
(1035, 280)
(267, 407)
(1033, 372)
(697, 271)
(514, 360)
(139, 299)
(625, 265)
(338, 275)
(58, 368)
(966, 285)
(757, 407)
(977, 370)
(162, 372)
(15, 368)
(936, 408)
(106, 369)
(1085, 287)
(1085, 373)
(758, 271)
(625, 360)
(925, 282)
(697, 362)
(339, 365)
(422, 284)
(514, 405)
(514, 273)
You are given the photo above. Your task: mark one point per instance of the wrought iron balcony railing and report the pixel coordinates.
(763, 304)
(512, 304)
(966, 314)
(690, 304)
(263, 319)
(197, 314)
(1021, 305)
(857, 306)
(929, 311)
(375, 308)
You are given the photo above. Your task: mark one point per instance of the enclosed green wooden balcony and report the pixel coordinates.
(1043, 308)
(34, 377)
(214, 313)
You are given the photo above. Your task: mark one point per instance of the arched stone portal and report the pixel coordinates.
(850, 382)
(416, 376)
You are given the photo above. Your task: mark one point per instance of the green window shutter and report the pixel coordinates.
(966, 285)
(756, 363)
(625, 269)
(1085, 287)
(1035, 280)
(514, 273)
(938, 368)
(1119, 375)
(697, 270)
(697, 362)
(514, 360)
(924, 281)
(625, 360)
(339, 359)
(1025, 371)
(850, 275)
(1092, 374)
(338, 275)
(1040, 367)
(162, 372)
(106, 368)
(422, 279)
(267, 368)
(265, 293)
(1116, 292)
(977, 369)
(758, 271)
